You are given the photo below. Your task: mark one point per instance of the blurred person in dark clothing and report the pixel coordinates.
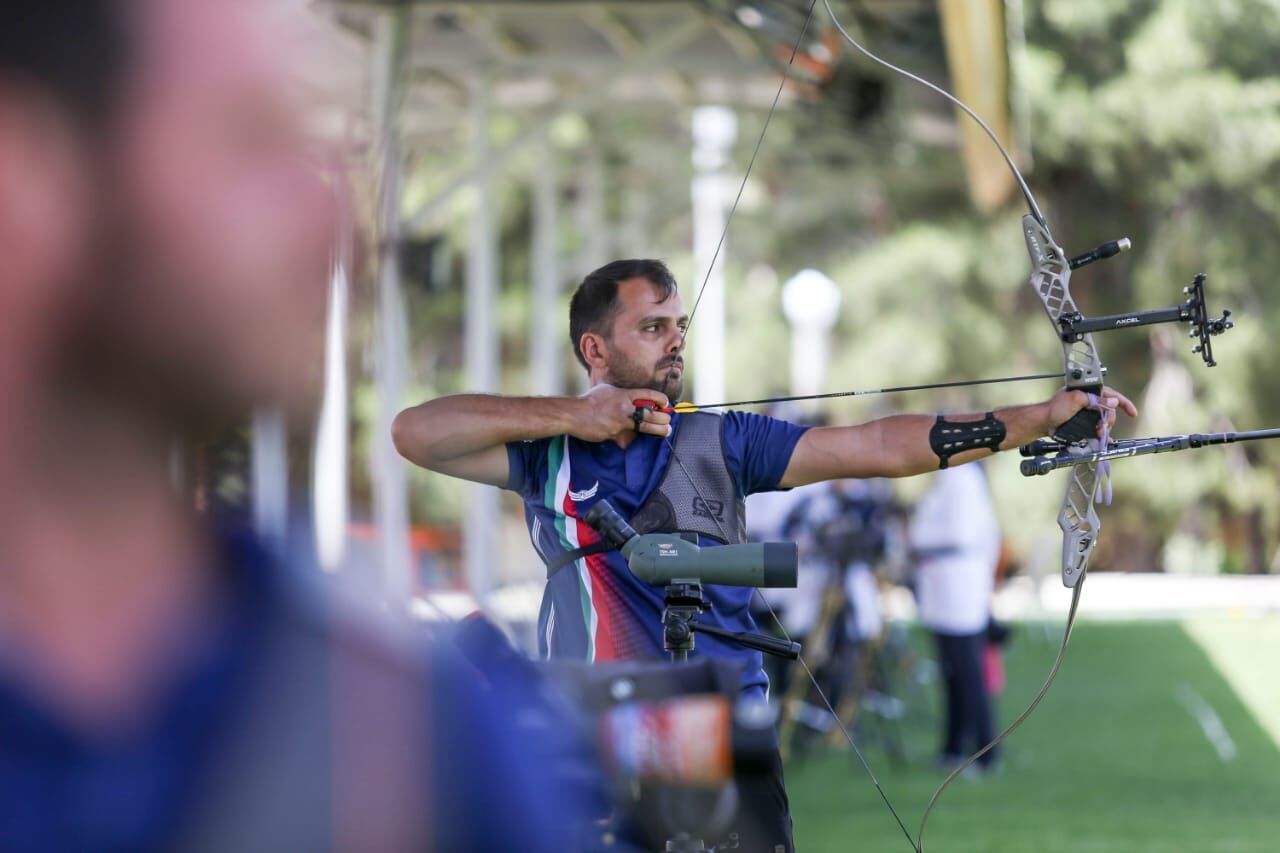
(165, 681)
(842, 529)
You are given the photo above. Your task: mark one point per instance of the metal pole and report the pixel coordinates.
(330, 500)
(269, 465)
(390, 493)
(638, 209)
(546, 343)
(652, 55)
(591, 210)
(480, 543)
(590, 213)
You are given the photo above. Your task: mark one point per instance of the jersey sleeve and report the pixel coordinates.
(758, 449)
(527, 467)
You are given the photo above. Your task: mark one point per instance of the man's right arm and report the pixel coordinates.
(466, 435)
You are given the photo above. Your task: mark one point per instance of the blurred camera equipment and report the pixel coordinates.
(689, 739)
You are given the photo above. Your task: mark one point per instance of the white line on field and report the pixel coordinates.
(1210, 723)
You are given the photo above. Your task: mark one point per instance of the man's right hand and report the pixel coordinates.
(607, 412)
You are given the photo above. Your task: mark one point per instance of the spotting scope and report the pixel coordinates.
(663, 558)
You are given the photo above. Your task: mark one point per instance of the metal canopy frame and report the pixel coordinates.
(431, 74)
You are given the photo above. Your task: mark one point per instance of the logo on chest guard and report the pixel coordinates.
(708, 509)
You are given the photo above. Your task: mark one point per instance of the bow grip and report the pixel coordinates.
(1083, 425)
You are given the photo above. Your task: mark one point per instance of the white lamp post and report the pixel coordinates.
(811, 303)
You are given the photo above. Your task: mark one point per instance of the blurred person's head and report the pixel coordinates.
(627, 324)
(155, 175)
(61, 66)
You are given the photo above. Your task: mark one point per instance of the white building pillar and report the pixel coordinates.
(546, 341)
(714, 130)
(330, 497)
(391, 354)
(482, 521)
(269, 475)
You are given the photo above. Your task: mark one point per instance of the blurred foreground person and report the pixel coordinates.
(165, 682)
(955, 541)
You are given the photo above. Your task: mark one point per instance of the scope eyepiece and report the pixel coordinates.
(605, 520)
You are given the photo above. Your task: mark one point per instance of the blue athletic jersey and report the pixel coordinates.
(594, 609)
(442, 754)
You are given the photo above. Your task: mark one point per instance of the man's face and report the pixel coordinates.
(210, 291)
(647, 339)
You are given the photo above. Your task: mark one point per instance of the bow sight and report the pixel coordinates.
(1194, 312)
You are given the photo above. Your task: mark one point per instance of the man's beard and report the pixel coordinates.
(624, 373)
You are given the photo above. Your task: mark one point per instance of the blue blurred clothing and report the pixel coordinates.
(286, 725)
(595, 609)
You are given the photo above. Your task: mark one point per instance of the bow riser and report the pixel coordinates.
(1082, 369)
(1051, 280)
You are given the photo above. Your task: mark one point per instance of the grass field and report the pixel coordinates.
(1113, 760)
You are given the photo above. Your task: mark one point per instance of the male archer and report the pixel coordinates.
(684, 472)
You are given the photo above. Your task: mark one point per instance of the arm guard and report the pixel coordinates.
(948, 438)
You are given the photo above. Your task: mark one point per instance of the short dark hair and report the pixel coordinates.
(73, 51)
(595, 302)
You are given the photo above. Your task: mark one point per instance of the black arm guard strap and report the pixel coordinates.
(948, 438)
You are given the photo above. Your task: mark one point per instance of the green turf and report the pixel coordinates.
(1111, 761)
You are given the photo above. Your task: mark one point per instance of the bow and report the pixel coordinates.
(1078, 444)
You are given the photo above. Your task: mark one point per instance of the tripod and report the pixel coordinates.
(681, 565)
(683, 602)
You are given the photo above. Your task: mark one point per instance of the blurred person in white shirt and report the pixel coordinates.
(955, 542)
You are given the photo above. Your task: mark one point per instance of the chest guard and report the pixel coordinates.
(698, 493)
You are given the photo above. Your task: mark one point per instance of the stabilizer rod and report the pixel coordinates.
(1039, 465)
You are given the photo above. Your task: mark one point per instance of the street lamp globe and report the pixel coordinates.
(811, 301)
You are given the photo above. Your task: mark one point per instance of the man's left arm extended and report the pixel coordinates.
(900, 446)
